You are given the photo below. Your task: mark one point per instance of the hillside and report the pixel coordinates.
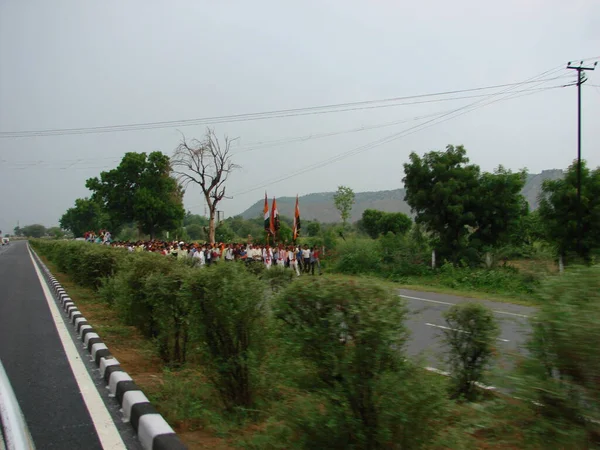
(320, 205)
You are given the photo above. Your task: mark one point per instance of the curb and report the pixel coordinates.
(153, 431)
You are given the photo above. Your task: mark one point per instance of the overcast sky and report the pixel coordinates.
(74, 64)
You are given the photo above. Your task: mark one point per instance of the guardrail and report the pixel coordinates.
(14, 434)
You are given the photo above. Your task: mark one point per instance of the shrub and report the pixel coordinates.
(171, 311)
(229, 313)
(471, 335)
(350, 336)
(85, 263)
(357, 256)
(132, 299)
(501, 279)
(561, 375)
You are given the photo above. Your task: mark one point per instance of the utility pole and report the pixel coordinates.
(580, 80)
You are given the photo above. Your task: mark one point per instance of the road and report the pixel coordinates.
(65, 404)
(425, 322)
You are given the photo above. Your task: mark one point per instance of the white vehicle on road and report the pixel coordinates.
(5, 241)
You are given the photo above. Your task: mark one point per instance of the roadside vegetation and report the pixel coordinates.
(239, 358)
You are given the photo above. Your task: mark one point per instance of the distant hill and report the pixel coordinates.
(320, 206)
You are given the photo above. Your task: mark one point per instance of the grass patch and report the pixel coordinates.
(524, 300)
(420, 284)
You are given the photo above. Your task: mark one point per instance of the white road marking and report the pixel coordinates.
(460, 331)
(447, 374)
(452, 304)
(105, 427)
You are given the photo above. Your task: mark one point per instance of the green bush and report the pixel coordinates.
(349, 336)
(471, 337)
(171, 310)
(132, 299)
(501, 279)
(357, 256)
(85, 263)
(228, 317)
(561, 375)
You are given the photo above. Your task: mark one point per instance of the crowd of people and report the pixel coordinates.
(102, 237)
(300, 259)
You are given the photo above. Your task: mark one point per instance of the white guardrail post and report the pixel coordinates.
(14, 434)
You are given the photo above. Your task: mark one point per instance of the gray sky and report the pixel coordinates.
(73, 64)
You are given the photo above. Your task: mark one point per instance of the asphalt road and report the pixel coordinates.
(37, 366)
(425, 321)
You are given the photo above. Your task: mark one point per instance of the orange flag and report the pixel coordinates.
(296, 219)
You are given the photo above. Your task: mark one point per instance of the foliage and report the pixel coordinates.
(194, 219)
(195, 232)
(561, 375)
(499, 207)
(171, 311)
(343, 200)
(35, 231)
(313, 228)
(141, 190)
(87, 264)
(357, 256)
(470, 336)
(376, 222)
(558, 211)
(55, 232)
(453, 200)
(506, 279)
(350, 336)
(228, 312)
(86, 215)
(223, 233)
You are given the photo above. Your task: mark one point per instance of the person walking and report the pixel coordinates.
(292, 257)
(314, 260)
(306, 259)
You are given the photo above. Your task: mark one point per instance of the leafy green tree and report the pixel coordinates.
(460, 206)
(285, 233)
(35, 231)
(376, 222)
(344, 199)
(558, 211)
(499, 207)
(18, 231)
(313, 228)
(441, 188)
(141, 189)
(55, 232)
(224, 233)
(194, 219)
(86, 215)
(195, 232)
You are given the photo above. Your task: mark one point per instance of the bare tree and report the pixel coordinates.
(206, 163)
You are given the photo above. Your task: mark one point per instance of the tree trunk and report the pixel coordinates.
(211, 226)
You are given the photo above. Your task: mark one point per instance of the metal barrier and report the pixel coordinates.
(14, 434)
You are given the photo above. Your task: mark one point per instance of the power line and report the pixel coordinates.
(323, 109)
(462, 110)
(72, 163)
